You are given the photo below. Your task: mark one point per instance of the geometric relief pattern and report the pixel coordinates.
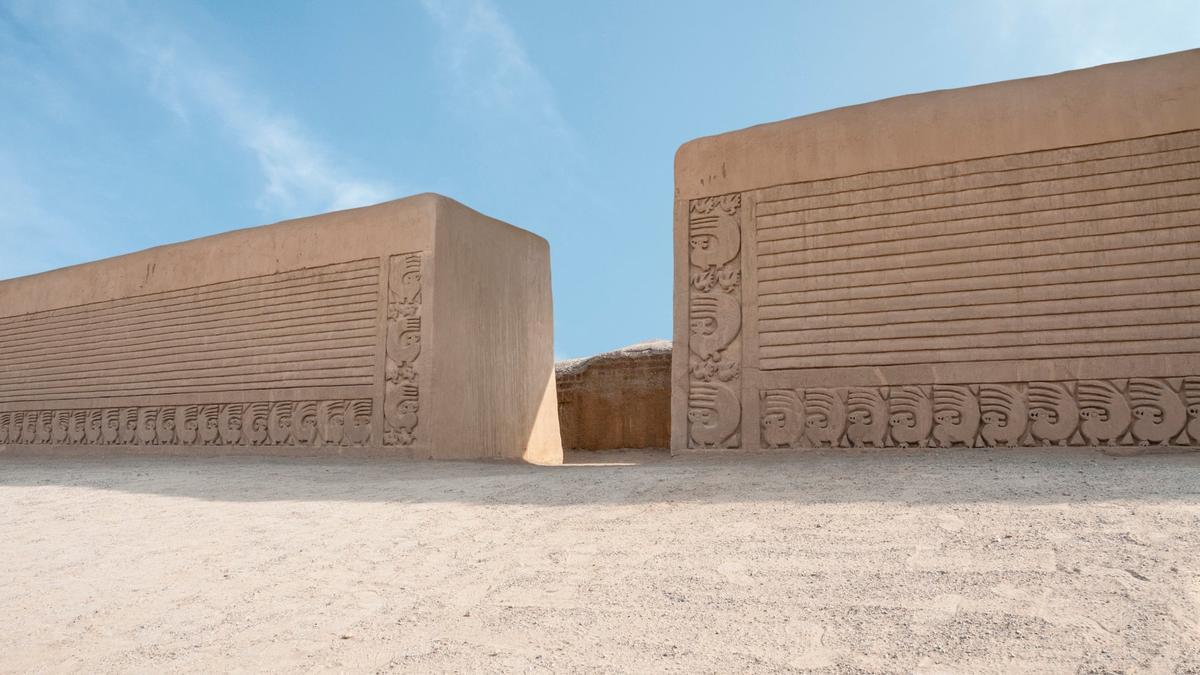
(285, 423)
(1138, 412)
(401, 401)
(714, 322)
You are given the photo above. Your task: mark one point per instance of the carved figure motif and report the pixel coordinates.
(1191, 392)
(956, 415)
(714, 413)
(1004, 415)
(714, 324)
(1160, 413)
(868, 417)
(1053, 412)
(824, 417)
(912, 416)
(254, 424)
(782, 418)
(1105, 412)
(401, 389)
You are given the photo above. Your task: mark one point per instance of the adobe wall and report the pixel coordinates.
(1010, 264)
(616, 400)
(412, 328)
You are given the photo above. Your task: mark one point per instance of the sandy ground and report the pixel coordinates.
(1001, 561)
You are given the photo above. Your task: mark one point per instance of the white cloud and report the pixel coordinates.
(298, 172)
(491, 70)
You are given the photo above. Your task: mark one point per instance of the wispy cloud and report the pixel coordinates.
(1084, 33)
(491, 72)
(298, 172)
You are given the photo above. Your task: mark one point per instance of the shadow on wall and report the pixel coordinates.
(1026, 476)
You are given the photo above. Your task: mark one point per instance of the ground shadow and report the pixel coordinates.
(1036, 476)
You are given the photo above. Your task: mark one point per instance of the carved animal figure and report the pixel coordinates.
(912, 416)
(956, 415)
(715, 320)
(1160, 413)
(209, 426)
(331, 422)
(254, 423)
(1105, 412)
(112, 426)
(825, 417)
(79, 426)
(404, 340)
(1053, 412)
(147, 425)
(1191, 392)
(279, 423)
(129, 426)
(187, 424)
(166, 426)
(304, 422)
(95, 426)
(45, 427)
(868, 417)
(714, 413)
(358, 422)
(1004, 417)
(714, 236)
(29, 427)
(6, 425)
(782, 418)
(60, 423)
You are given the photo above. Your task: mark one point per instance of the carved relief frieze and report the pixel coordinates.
(283, 423)
(714, 322)
(401, 401)
(1137, 412)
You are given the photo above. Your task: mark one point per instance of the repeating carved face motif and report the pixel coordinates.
(703, 325)
(1194, 411)
(904, 420)
(409, 406)
(702, 416)
(859, 416)
(1097, 414)
(1038, 414)
(817, 421)
(703, 242)
(774, 420)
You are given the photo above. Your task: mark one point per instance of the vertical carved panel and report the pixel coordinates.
(401, 391)
(714, 322)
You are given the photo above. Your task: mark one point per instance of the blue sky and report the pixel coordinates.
(125, 125)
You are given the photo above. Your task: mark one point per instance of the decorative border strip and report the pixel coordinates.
(401, 399)
(303, 423)
(714, 322)
(1136, 412)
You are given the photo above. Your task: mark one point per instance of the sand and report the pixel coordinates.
(939, 561)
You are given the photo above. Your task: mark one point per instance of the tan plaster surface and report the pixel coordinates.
(617, 400)
(1016, 263)
(934, 562)
(415, 328)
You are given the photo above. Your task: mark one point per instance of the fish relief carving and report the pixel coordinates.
(1105, 412)
(187, 424)
(79, 426)
(166, 426)
(714, 413)
(95, 426)
(782, 418)
(401, 390)
(1191, 391)
(147, 425)
(254, 423)
(911, 420)
(714, 236)
(1004, 415)
(955, 415)
(304, 422)
(279, 423)
(1053, 413)
(331, 422)
(824, 417)
(210, 425)
(868, 417)
(112, 426)
(1159, 413)
(716, 319)
(60, 426)
(358, 422)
